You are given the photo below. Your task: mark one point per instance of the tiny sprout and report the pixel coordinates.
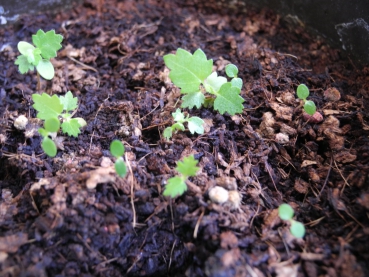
(286, 212)
(303, 93)
(117, 150)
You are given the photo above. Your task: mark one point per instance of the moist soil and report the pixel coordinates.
(71, 215)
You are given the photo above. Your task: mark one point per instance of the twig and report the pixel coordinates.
(326, 178)
(134, 223)
(198, 223)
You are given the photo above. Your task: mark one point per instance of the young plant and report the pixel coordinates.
(286, 212)
(176, 185)
(117, 150)
(50, 109)
(38, 55)
(193, 74)
(195, 124)
(303, 93)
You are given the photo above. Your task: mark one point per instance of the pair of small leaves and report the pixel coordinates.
(286, 212)
(176, 185)
(47, 44)
(303, 93)
(117, 150)
(190, 71)
(53, 106)
(195, 124)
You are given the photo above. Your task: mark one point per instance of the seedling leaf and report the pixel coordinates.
(195, 125)
(52, 124)
(71, 127)
(297, 229)
(48, 43)
(188, 71)
(309, 107)
(193, 99)
(120, 167)
(25, 48)
(178, 115)
(69, 102)
(47, 106)
(188, 166)
(49, 147)
(231, 70)
(228, 100)
(178, 126)
(175, 187)
(46, 69)
(285, 211)
(117, 148)
(23, 65)
(168, 132)
(302, 91)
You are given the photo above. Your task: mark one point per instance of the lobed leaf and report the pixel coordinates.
(188, 71)
(228, 100)
(175, 187)
(178, 116)
(47, 106)
(71, 127)
(213, 82)
(69, 102)
(188, 166)
(23, 65)
(194, 99)
(49, 43)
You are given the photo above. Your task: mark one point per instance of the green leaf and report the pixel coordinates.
(237, 82)
(285, 211)
(43, 132)
(25, 48)
(23, 65)
(178, 116)
(302, 92)
(71, 127)
(168, 132)
(117, 148)
(81, 121)
(228, 100)
(52, 124)
(188, 166)
(46, 69)
(309, 107)
(231, 70)
(196, 125)
(193, 99)
(178, 126)
(175, 187)
(47, 106)
(213, 83)
(69, 102)
(49, 147)
(48, 43)
(120, 167)
(297, 229)
(188, 71)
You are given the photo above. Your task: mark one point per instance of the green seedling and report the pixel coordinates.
(176, 185)
(50, 109)
(303, 93)
(117, 150)
(193, 74)
(38, 55)
(195, 124)
(286, 212)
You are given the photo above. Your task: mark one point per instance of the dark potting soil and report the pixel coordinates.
(72, 216)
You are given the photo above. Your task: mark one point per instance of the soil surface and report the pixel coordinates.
(72, 216)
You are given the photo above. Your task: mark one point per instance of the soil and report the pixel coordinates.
(73, 216)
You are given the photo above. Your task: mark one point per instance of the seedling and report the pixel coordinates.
(50, 109)
(195, 124)
(117, 150)
(303, 93)
(176, 185)
(193, 74)
(38, 55)
(286, 212)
